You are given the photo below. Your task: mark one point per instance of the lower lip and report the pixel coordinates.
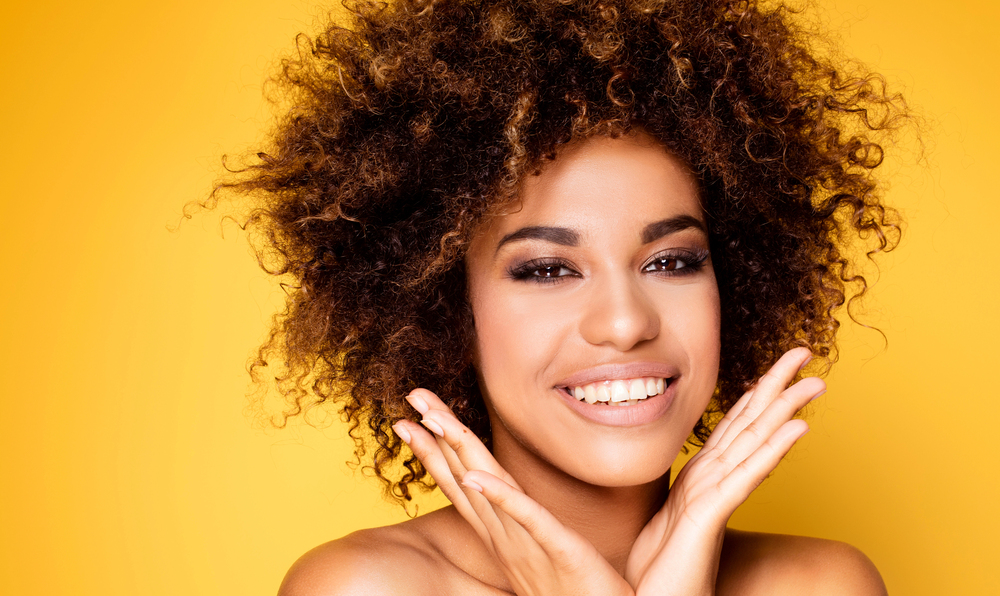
(644, 412)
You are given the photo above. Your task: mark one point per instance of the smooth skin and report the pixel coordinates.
(602, 267)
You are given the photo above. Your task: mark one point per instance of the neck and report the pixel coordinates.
(609, 517)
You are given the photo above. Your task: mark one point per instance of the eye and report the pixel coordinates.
(666, 264)
(676, 263)
(541, 271)
(550, 271)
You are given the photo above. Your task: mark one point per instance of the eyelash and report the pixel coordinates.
(532, 271)
(694, 261)
(528, 271)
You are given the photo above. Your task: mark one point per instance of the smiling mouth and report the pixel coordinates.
(620, 392)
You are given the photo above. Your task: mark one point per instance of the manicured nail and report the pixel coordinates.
(818, 394)
(472, 485)
(401, 432)
(433, 426)
(418, 403)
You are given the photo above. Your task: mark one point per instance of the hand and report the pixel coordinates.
(537, 553)
(677, 553)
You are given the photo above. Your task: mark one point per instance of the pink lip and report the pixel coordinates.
(611, 372)
(644, 412)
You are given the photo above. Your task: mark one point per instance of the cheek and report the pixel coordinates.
(516, 340)
(703, 329)
(692, 326)
(710, 324)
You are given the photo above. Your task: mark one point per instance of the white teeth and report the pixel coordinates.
(637, 390)
(619, 392)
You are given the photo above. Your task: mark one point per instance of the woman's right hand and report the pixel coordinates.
(537, 553)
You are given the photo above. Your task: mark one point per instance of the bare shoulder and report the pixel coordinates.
(433, 554)
(376, 561)
(775, 564)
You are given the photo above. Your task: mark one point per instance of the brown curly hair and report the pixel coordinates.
(420, 119)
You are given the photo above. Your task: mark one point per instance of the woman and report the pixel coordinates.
(566, 237)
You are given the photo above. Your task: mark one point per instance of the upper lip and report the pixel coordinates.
(612, 372)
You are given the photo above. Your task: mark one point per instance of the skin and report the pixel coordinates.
(600, 272)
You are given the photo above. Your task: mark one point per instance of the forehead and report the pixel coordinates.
(603, 182)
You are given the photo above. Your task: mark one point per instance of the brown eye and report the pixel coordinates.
(666, 264)
(552, 271)
(542, 271)
(677, 263)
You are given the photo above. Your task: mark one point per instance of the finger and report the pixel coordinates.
(764, 392)
(462, 451)
(435, 412)
(529, 536)
(426, 448)
(720, 428)
(425, 402)
(781, 410)
(462, 448)
(529, 516)
(748, 475)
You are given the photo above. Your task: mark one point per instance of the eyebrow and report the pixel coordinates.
(563, 236)
(567, 237)
(665, 227)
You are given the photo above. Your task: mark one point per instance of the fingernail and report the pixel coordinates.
(418, 403)
(433, 426)
(808, 360)
(472, 485)
(401, 432)
(818, 394)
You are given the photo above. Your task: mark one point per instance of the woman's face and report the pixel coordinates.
(597, 313)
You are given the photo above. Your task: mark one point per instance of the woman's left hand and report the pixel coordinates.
(677, 553)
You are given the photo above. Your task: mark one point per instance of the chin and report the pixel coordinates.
(618, 476)
(618, 463)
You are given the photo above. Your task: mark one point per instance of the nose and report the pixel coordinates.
(619, 314)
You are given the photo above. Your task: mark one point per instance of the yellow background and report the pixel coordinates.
(127, 463)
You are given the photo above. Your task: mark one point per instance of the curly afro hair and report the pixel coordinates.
(417, 120)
